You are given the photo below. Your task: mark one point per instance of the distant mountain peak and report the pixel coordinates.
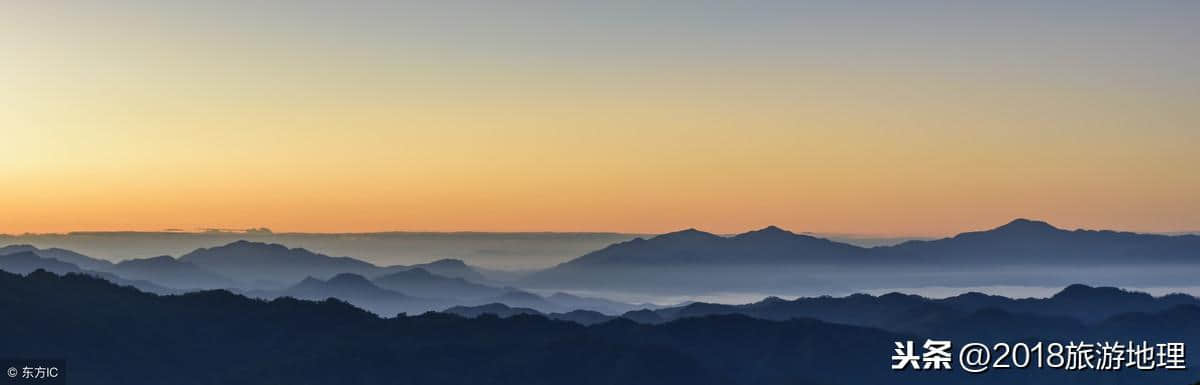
(687, 234)
(1081, 291)
(244, 247)
(767, 232)
(772, 300)
(244, 244)
(773, 229)
(159, 259)
(1026, 225)
(446, 262)
(253, 261)
(349, 279)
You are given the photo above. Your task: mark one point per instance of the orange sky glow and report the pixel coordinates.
(153, 117)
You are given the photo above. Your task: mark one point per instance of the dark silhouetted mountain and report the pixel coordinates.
(68, 256)
(497, 309)
(119, 335)
(582, 317)
(1167, 325)
(1066, 312)
(253, 261)
(1077, 301)
(894, 311)
(601, 305)
(422, 283)
(140, 284)
(171, 272)
(644, 316)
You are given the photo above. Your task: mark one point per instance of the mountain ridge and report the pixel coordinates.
(691, 258)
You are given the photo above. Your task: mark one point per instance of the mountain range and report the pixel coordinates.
(396, 289)
(1073, 307)
(119, 335)
(766, 261)
(79, 260)
(24, 262)
(773, 258)
(171, 272)
(417, 281)
(911, 313)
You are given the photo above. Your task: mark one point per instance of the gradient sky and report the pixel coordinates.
(869, 117)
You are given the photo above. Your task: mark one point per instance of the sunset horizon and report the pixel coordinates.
(582, 192)
(465, 116)
(734, 231)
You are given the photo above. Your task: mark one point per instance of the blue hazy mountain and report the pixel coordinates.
(25, 262)
(417, 290)
(418, 281)
(171, 272)
(264, 264)
(68, 256)
(357, 290)
(1024, 241)
(254, 261)
(515, 250)
(155, 274)
(344, 286)
(776, 259)
(451, 268)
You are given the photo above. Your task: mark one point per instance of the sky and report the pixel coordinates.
(912, 118)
